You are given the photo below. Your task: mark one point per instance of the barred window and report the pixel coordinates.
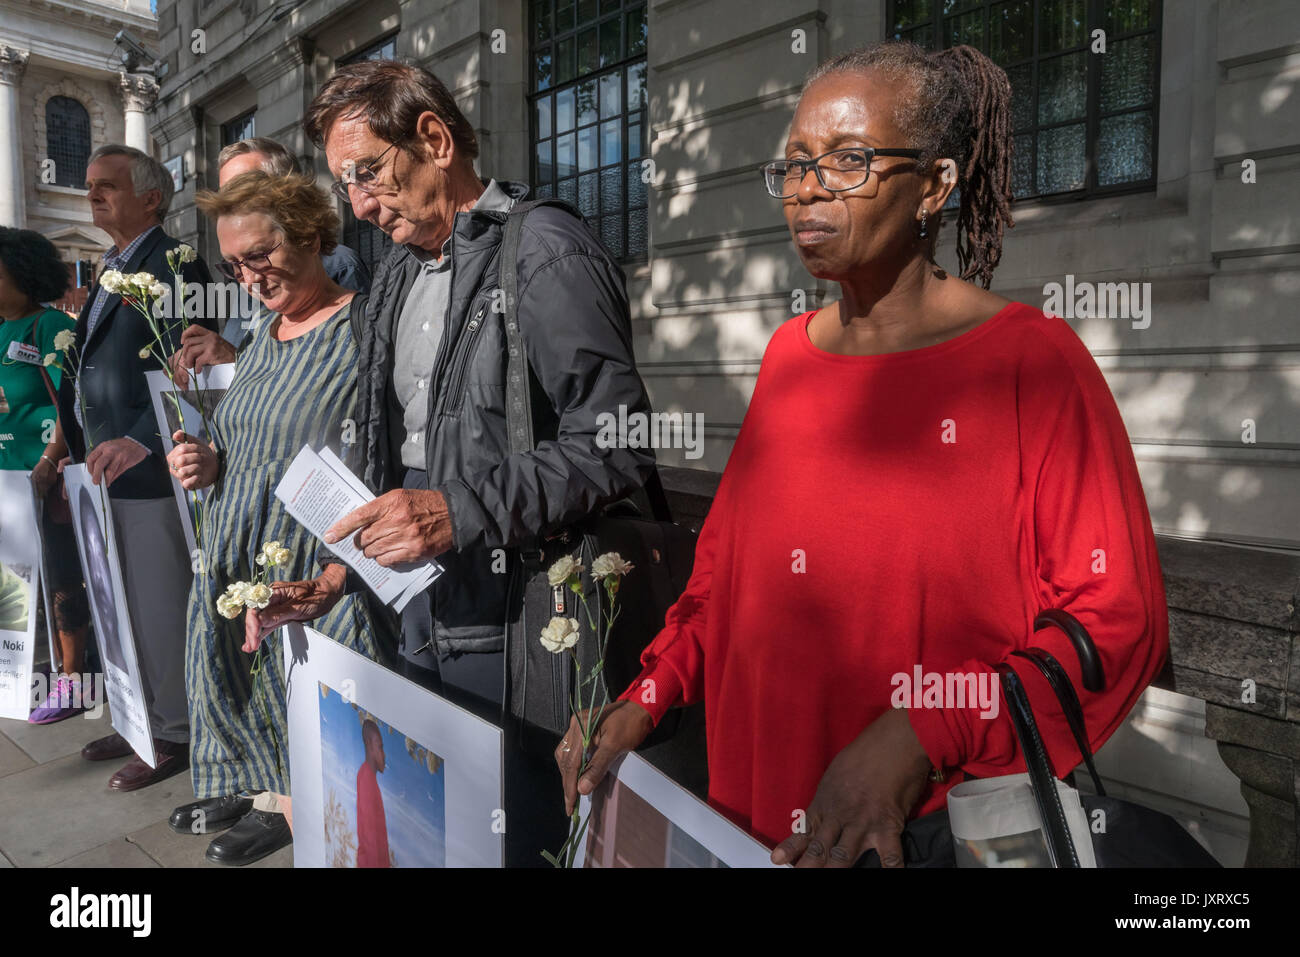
(1084, 123)
(366, 239)
(67, 140)
(240, 128)
(588, 105)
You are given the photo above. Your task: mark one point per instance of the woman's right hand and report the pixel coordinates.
(194, 463)
(44, 474)
(200, 349)
(623, 726)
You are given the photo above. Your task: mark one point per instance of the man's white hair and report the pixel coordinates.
(146, 173)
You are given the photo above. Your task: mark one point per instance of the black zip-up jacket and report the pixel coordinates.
(576, 327)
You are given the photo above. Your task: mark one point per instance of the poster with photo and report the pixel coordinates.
(385, 774)
(176, 408)
(639, 817)
(92, 520)
(20, 561)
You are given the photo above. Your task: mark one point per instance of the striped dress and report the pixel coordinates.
(284, 395)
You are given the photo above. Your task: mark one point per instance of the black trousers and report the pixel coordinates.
(534, 797)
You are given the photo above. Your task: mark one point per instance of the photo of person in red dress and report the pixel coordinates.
(372, 826)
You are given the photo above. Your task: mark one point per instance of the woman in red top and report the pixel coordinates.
(924, 467)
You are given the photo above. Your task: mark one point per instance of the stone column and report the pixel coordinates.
(13, 205)
(139, 93)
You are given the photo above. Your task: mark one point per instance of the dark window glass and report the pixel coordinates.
(589, 114)
(1082, 122)
(67, 140)
(240, 128)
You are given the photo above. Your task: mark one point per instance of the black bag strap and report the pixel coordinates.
(1042, 779)
(1060, 682)
(519, 407)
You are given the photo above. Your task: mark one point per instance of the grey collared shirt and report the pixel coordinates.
(419, 333)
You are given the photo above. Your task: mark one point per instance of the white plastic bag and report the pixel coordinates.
(995, 823)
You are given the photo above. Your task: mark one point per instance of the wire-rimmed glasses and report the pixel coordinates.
(364, 177)
(847, 169)
(258, 262)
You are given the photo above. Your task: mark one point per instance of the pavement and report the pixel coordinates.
(56, 809)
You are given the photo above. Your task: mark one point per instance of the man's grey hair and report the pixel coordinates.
(146, 173)
(278, 161)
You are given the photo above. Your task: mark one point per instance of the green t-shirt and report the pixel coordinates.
(27, 427)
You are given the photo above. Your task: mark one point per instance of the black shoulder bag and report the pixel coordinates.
(540, 683)
(1124, 834)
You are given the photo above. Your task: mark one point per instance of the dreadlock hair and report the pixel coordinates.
(955, 103)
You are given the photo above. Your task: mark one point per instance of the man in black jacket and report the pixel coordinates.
(431, 423)
(107, 419)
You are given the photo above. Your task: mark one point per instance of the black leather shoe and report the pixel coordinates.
(210, 816)
(257, 834)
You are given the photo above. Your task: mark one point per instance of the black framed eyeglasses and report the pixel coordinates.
(364, 177)
(258, 262)
(847, 169)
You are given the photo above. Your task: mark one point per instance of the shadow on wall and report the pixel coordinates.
(1209, 392)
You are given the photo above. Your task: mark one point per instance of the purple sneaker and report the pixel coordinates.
(64, 701)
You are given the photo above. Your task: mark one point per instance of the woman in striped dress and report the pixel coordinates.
(294, 385)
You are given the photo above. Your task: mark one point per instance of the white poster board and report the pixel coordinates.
(20, 563)
(438, 772)
(639, 817)
(206, 389)
(92, 519)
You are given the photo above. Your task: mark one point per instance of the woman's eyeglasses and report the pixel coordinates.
(364, 177)
(837, 171)
(258, 262)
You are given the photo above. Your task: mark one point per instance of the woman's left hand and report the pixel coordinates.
(863, 799)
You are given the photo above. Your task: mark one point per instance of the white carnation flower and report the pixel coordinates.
(145, 352)
(563, 570)
(228, 606)
(143, 279)
(560, 634)
(610, 565)
(112, 280)
(185, 253)
(259, 596)
(158, 290)
(50, 358)
(64, 340)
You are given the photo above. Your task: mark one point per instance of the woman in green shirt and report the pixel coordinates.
(31, 272)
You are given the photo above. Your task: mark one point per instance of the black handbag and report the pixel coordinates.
(1124, 834)
(541, 685)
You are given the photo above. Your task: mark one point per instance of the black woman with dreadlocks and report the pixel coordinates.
(924, 467)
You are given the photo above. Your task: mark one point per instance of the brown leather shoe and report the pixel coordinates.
(107, 748)
(135, 774)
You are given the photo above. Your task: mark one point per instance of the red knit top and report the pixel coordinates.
(919, 508)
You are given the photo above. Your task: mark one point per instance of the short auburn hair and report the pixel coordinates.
(391, 96)
(297, 207)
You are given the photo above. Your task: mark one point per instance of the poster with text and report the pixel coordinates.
(385, 774)
(20, 562)
(186, 409)
(639, 817)
(92, 520)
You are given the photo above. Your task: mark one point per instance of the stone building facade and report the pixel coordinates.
(1167, 161)
(63, 93)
